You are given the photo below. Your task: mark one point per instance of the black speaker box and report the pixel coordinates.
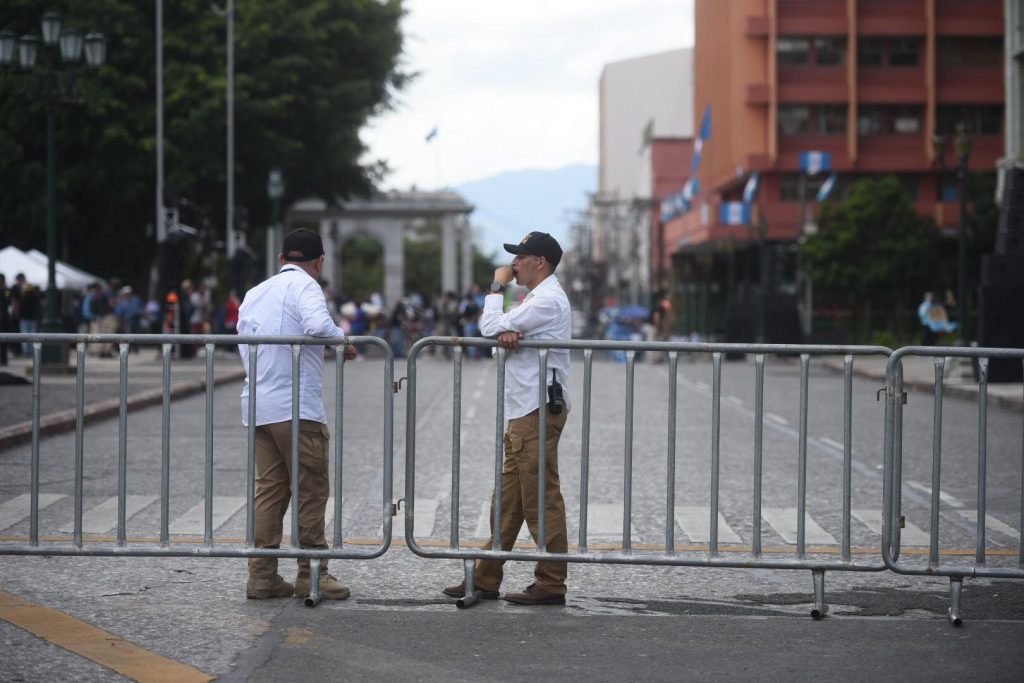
(1010, 237)
(1001, 325)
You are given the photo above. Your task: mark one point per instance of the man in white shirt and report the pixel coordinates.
(544, 314)
(290, 303)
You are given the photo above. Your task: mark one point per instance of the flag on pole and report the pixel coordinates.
(813, 163)
(827, 187)
(702, 135)
(432, 134)
(648, 135)
(735, 213)
(750, 189)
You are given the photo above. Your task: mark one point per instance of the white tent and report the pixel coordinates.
(34, 265)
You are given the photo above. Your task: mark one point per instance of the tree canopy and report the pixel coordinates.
(308, 76)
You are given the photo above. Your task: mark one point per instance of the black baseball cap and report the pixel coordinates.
(537, 244)
(302, 245)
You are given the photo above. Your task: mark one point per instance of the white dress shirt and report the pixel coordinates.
(290, 303)
(544, 314)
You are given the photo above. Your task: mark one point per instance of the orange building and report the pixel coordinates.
(869, 82)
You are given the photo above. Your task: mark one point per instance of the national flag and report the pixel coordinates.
(702, 135)
(750, 189)
(826, 187)
(432, 134)
(735, 213)
(648, 135)
(813, 163)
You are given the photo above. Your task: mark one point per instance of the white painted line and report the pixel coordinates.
(943, 496)
(701, 385)
(990, 523)
(426, 514)
(783, 520)
(735, 401)
(483, 525)
(17, 509)
(833, 443)
(778, 419)
(103, 517)
(911, 535)
(477, 394)
(286, 527)
(471, 413)
(604, 523)
(193, 522)
(696, 524)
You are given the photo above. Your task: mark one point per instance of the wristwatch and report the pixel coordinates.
(497, 288)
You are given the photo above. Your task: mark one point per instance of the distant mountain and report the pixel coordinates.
(511, 204)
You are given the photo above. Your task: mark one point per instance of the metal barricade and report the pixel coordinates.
(165, 546)
(893, 479)
(669, 554)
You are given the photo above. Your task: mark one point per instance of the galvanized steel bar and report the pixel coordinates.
(37, 384)
(542, 451)
(250, 461)
(897, 468)
(716, 427)
(165, 445)
(847, 451)
(670, 464)
(410, 444)
(388, 438)
(1020, 543)
(758, 451)
(588, 366)
(79, 439)
(122, 446)
(933, 541)
(456, 442)
(979, 557)
(801, 503)
(499, 451)
(627, 456)
(339, 433)
(208, 512)
(296, 351)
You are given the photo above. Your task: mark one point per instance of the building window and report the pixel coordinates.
(888, 51)
(831, 119)
(873, 119)
(911, 186)
(829, 51)
(793, 51)
(789, 186)
(794, 119)
(985, 119)
(969, 52)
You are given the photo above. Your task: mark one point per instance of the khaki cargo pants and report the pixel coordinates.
(273, 491)
(519, 501)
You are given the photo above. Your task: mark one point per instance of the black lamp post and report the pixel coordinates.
(275, 190)
(57, 85)
(962, 144)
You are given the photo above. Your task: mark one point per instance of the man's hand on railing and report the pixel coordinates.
(510, 340)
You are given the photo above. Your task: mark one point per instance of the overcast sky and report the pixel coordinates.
(511, 85)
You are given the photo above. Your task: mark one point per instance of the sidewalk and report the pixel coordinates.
(919, 373)
(57, 400)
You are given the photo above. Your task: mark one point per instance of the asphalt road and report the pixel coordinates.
(656, 623)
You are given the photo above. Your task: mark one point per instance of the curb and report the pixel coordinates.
(65, 420)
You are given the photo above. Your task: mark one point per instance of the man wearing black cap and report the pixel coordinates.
(290, 303)
(544, 314)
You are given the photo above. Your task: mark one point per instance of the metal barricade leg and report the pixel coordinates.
(314, 597)
(956, 584)
(820, 609)
(472, 595)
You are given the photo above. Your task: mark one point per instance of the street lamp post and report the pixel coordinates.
(275, 190)
(962, 144)
(57, 85)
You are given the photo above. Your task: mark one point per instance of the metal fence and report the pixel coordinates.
(78, 544)
(668, 554)
(893, 479)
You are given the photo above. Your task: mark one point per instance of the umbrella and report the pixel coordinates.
(632, 313)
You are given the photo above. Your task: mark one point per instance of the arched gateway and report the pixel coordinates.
(386, 218)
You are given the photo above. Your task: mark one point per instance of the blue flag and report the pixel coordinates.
(827, 187)
(735, 213)
(750, 189)
(432, 134)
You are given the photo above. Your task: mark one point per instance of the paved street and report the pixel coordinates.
(642, 622)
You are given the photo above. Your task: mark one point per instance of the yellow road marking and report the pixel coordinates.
(94, 644)
(443, 543)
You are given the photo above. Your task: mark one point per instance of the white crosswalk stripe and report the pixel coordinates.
(910, 535)
(696, 524)
(604, 523)
(193, 522)
(18, 508)
(423, 524)
(483, 525)
(784, 521)
(990, 523)
(103, 517)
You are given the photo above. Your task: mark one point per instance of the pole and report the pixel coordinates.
(805, 305)
(51, 323)
(161, 227)
(961, 300)
(272, 237)
(230, 234)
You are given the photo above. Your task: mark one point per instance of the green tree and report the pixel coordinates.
(307, 78)
(423, 262)
(874, 251)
